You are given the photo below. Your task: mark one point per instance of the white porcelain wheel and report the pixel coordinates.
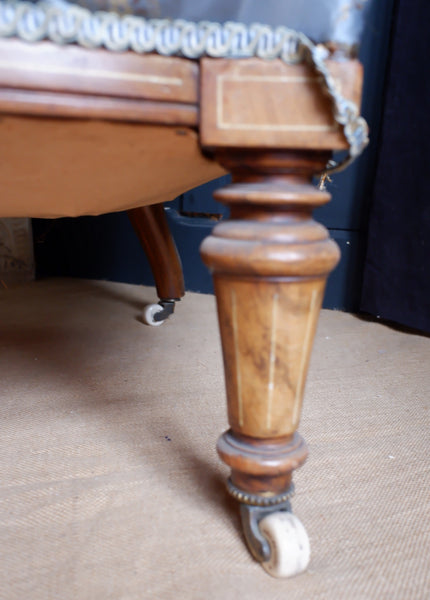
(148, 315)
(289, 544)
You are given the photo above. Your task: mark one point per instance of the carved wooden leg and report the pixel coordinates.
(270, 262)
(152, 229)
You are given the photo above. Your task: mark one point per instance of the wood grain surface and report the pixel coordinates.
(48, 66)
(70, 167)
(270, 263)
(257, 103)
(60, 104)
(152, 229)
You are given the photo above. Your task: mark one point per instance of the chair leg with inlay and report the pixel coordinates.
(270, 262)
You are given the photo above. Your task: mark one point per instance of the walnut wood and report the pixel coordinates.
(48, 66)
(56, 104)
(269, 104)
(262, 466)
(270, 263)
(152, 229)
(70, 167)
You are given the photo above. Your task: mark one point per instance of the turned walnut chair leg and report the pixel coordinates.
(270, 262)
(152, 229)
(273, 126)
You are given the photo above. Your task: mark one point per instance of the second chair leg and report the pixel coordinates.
(152, 229)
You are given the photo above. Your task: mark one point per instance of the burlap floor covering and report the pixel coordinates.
(110, 484)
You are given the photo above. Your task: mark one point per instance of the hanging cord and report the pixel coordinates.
(65, 23)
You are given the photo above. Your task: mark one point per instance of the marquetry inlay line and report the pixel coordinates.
(93, 73)
(236, 354)
(222, 123)
(305, 352)
(272, 360)
(270, 78)
(274, 127)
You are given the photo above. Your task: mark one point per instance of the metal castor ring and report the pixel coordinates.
(275, 537)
